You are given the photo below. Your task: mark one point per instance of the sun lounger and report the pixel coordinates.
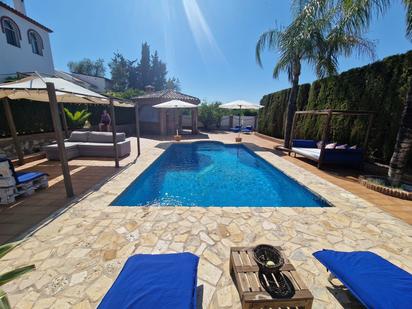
(376, 282)
(247, 129)
(236, 129)
(13, 184)
(155, 281)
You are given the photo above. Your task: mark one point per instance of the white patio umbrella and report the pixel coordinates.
(175, 104)
(34, 88)
(240, 104)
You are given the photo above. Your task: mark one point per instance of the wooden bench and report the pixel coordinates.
(244, 271)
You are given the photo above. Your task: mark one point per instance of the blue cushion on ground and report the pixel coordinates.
(155, 281)
(376, 282)
(22, 177)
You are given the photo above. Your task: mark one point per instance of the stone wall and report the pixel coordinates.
(31, 143)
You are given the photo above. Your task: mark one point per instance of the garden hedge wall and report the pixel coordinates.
(380, 87)
(34, 117)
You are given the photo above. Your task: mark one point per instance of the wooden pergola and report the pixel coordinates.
(156, 97)
(329, 113)
(58, 91)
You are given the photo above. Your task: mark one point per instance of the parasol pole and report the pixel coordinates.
(240, 122)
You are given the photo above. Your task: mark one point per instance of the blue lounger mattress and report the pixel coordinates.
(23, 177)
(376, 282)
(155, 281)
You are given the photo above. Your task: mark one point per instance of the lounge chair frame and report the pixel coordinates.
(329, 113)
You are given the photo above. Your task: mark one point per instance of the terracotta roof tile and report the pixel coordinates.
(168, 94)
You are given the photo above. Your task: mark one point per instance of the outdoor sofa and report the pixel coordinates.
(345, 157)
(90, 144)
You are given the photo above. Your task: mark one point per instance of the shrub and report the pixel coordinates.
(210, 114)
(380, 87)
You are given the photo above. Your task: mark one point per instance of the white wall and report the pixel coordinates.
(99, 83)
(224, 124)
(21, 59)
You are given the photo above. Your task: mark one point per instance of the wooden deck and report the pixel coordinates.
(27, 212)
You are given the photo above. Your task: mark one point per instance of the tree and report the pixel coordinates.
(119, 69)
(127, 94)
(133, 75)
(210, 114)
(173, 83)
(313, 37)
(88, 67)
(359, 14)
(158, 72)
(144, 68)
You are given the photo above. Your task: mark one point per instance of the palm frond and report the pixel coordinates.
(268, 40)
(6, 248)
(358, 14)
(4, 302)
(408, 6)
(69, 114)
(11, 275)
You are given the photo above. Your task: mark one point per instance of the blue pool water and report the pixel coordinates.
(214, 174)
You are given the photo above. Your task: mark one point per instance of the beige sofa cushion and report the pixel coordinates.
(79, 136)
(105, 137)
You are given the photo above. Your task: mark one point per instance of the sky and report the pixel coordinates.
(208, 44)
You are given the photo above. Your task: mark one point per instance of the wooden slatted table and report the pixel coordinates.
(244, 271)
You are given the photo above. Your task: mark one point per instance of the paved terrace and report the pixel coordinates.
(79, 253)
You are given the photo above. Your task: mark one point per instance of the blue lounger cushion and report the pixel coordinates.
(236, 129)
(155, 281)
(376, 282)
(304, 143)
(247, 129)
(22, 177)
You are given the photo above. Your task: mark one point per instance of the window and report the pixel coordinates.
(11, 30)
(36, 42)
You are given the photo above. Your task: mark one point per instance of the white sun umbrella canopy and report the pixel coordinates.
(240, 104)
(175, 104)
(34, 88)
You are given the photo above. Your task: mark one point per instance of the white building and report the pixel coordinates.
(94, 83)
(99, 84)
(24, 43)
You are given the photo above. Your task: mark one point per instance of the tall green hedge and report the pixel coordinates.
(271, 118)
(34, 117)
(380, 87)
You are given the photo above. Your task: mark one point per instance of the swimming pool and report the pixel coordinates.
(214, 174)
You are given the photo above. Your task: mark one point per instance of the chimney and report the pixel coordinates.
(149, 89)
(19, 6)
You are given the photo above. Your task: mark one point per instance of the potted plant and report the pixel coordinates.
(78, 119)
(11, 275)
(177, 137)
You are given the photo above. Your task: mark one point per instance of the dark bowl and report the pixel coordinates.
(268, 258)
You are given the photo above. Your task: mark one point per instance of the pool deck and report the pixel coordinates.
(79, 253)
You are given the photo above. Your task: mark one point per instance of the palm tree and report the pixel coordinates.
(360, 13)
(313, 37)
